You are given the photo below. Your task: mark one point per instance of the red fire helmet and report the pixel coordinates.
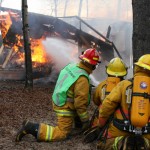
(91, 56)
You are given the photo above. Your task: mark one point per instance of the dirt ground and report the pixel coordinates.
(17, 104)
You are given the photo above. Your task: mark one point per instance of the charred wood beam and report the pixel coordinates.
(1, 49)
(37, 22)
(93, 29)
(52, 25)
(85, 41)
(7, 58)
(101, 43)
(108, 32)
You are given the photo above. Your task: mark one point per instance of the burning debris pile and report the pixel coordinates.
(41, 27)
(12, 51)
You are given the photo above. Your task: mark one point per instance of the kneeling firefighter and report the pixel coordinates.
(70, 100)
(130, 128)
(116, 71)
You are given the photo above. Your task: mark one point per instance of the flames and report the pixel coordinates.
(38, 51)
(5, 23)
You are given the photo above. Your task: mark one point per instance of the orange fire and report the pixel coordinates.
(38, 52)
(5, 23)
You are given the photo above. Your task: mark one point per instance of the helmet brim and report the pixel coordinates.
(92, 62)
(145, 66)
(116, 74)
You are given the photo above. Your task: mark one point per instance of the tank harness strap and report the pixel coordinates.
(102, 136)
(106, 93)
(145, 95)
(123, 114)
(124, 125)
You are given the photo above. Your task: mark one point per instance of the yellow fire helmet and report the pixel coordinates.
(144, 61)
(116, 67)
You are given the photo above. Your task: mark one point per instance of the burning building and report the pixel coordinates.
(42, 27)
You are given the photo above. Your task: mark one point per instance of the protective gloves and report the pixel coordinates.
(92, 134)
(77, 122)
(85, 125)
(77, 131)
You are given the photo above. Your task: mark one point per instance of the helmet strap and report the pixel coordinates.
(92, 67)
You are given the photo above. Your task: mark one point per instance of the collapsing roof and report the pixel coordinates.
(40, 24)
(47, 26)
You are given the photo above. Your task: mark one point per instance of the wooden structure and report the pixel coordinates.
(48, 26)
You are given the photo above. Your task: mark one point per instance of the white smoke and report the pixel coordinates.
(98, 13)
(61, 51)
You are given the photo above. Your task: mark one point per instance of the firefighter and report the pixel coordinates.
(116, 71)
(129, 102)
(70, 98)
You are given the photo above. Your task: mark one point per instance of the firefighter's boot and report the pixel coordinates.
(27, 128)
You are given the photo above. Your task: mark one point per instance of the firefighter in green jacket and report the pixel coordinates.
(70, 98)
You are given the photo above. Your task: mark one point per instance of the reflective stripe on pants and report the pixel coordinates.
(59, 132)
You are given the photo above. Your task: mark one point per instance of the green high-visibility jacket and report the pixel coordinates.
(66, 78)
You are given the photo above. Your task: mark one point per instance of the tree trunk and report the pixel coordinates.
(141, 28)
(28, 60)
(80, 8)
(65, 9)
(55, 2)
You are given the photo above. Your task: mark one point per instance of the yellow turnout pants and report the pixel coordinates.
(59, 132)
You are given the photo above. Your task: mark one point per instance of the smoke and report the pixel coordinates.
(98, 13)
(61, 51)
(114, 9)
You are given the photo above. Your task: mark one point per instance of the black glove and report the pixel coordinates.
(92, 134)
(77, 122)
(85, 125)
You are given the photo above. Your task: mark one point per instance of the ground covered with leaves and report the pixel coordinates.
(18, 104)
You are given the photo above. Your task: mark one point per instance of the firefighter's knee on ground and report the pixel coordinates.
(49, 133)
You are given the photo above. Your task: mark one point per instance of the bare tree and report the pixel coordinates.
(141, 28)
(65, 9)
(56, 3)
(80, 8)
(28, 60)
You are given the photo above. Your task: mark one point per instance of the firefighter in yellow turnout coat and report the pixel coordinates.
(70, 100)
(130, 128)
(116, 70)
